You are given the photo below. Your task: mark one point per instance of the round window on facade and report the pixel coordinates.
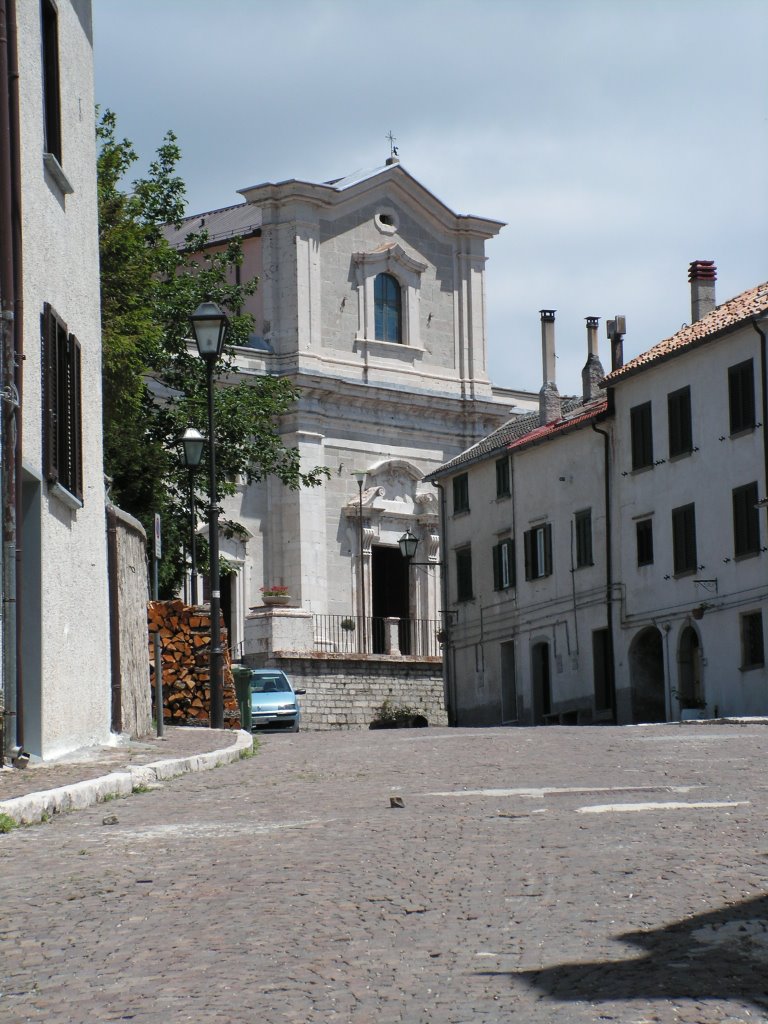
(386, 221)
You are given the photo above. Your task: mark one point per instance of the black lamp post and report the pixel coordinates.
(408, 544)
(192, 452)
(360, 477)
(209, 326)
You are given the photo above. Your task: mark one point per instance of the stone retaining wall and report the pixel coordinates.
(344, 692)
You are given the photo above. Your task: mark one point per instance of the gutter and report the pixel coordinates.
(608, 568)
(449, 683)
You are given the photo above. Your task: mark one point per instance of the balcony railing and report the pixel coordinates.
(353, 634)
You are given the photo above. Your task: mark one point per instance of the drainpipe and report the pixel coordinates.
(449, 685)
(756, 323)
(9, 374)
(608, 568)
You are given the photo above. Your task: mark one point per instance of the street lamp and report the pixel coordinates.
(359, 475)
(209, 326)
(192, 452)
(408, 544)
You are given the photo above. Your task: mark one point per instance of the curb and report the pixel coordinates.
(36, 807)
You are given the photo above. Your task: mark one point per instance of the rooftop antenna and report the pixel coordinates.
(393, 155)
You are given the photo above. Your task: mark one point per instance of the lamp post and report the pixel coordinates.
(360, 477)
(192, 452)
(209, 326)
(408, 544)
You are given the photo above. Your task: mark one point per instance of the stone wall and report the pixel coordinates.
(344, 692)
(131, 699)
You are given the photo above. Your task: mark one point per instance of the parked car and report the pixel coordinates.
(274, 703)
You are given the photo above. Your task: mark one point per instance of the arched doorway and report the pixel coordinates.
(689, 667)
(542, 695)
(646, 673)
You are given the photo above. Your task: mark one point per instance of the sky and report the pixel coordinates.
(617, 139)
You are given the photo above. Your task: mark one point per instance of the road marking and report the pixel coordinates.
(540, 793)
(672, 805)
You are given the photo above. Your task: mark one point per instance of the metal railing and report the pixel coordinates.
(353, 634)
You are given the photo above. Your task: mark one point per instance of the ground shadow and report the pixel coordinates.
(722, 955)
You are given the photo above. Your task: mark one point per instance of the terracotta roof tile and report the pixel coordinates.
(744, 306)
(562, 426)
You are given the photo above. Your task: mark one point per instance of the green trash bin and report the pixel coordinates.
(242, 678)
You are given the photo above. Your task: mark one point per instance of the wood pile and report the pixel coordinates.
(185, 638)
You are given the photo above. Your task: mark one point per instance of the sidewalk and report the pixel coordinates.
(85, 777)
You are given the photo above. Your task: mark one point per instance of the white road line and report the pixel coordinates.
(539, 794)
(670, 806)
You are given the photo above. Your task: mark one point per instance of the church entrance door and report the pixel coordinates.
(389, 587)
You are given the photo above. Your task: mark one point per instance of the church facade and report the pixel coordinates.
(371, 299)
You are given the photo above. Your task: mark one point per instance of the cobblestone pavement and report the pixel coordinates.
(532, 875)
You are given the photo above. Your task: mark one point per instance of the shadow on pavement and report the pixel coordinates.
(722, 955)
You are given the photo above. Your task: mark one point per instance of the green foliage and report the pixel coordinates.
(389, 712)
(149, 290)
(7, 823)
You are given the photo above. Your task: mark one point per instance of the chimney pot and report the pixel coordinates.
(549, 398)
(702, 275)
(593, 371)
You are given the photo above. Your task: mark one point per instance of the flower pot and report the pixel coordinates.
(276, 599)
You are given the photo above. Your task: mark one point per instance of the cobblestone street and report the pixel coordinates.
(535, 875)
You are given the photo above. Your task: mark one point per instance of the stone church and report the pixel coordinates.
(371, 299)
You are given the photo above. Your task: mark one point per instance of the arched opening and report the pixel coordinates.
(646, 673)
(542, 695)
(689, 668)
(388, 305)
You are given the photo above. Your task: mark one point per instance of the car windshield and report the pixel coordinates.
(276, 683)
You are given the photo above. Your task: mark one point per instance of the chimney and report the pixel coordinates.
(702, 275)
(549, 399)
(593, 371)
(616, 329)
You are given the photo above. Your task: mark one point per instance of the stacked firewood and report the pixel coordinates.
(185, 638)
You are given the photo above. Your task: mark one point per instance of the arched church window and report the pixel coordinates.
(388, 303)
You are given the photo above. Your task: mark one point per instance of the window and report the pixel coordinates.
(461, 493)
(746, 521)
(582, 522)
(684, 538)
(642, 436)
(504, 565)
(51, 96)
(538, 551)
(741, 396)
(752, 650)
(62, 430)
(464, 575)
(503, 478)
(644, 535)
(388, 308)
(680, 432)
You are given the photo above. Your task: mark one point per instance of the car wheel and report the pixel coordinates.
(294, 727)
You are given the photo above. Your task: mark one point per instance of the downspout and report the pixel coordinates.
(608, 563)
(12, 738)
(449, 689)
(18, 296)
(114, 621)
(764, 390)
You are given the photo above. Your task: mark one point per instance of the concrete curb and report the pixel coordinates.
(35, 807)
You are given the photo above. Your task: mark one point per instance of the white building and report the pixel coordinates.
(372, 300)
(623, 576)
(56, 664)
(690, 468)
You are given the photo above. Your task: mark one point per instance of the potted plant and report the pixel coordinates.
(692, 706)
(275, 594)
(348, 625)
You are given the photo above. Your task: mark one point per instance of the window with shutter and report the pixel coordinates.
(583, 529)
(684, 538)
(746, 521)
(464, 575)
(741, 396)
(641, 431)
(504, 565)
(62, 412)
(537, 544)
(680, 429)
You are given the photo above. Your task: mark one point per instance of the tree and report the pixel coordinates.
(153, 387)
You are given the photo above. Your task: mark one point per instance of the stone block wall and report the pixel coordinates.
(344, 692)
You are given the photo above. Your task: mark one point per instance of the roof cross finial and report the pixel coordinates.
(392, 147)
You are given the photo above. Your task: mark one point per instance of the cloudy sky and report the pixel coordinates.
(618, 139)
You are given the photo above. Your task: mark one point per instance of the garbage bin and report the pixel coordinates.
(241, 675)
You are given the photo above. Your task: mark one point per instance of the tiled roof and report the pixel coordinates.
(228, 222)
(722, 318)
(501, 439)
(589, 411)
